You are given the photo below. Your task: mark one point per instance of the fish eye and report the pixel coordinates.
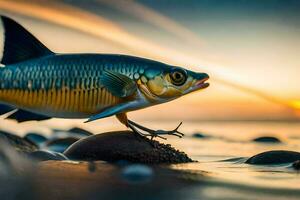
(178, 76)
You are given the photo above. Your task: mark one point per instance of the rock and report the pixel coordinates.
(296, 165)
(137, 173)
(200, 135)
(267, 139)
(73, 132)
(19, 144)
(43, 155)
(60, 144)
(35, 138)
(274, 157)
(80, 131)
(124, 145)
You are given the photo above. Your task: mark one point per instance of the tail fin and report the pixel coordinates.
(17, 44)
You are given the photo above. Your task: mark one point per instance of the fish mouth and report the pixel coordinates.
(198, 85)
(201, 84)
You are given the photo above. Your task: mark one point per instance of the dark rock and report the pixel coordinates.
(43, 155)
(35, 138)
(19, 144)
(60, 144)
(80, 131)
(267, 139)
(274, 157)
(124, 145)
(296, 165)
(74, 132)
(200, 135)
(137, 173)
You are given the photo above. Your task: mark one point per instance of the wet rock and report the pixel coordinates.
(137, 173)
(274, 157)
(74, 132)
(18, 143)
(200, 135)
(80, 131)
(43, 155)
(35, 138)
(124, 145)
(296, 165)
(60, 144)
(267, 139)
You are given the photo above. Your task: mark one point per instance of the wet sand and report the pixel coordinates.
(70, 180)
(220, 173)
(67, 180)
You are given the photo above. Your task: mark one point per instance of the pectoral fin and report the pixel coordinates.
(118, 84)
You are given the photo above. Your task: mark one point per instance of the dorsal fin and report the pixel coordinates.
(17, 44)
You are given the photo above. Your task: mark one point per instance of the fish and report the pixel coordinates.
(39, 84)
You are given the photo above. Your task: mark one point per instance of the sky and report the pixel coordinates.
(250, 49)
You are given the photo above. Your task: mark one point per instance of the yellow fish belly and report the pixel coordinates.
(68, 103)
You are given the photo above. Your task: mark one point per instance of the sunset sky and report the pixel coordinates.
(250, 49)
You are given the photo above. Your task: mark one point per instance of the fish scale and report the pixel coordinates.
(61, 85)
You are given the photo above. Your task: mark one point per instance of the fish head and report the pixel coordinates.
(168, 83)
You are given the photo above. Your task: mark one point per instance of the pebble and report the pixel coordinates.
(43, 155)
(60, 144)
(80, 131)
(35, 138)
(137, 173)
(124, 145)
(274, 157)
(73, 132)
(267, 139)
(200, 135)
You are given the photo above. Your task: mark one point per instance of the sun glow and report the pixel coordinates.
(295, 104)
(114, 33)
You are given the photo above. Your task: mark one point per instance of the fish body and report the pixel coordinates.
(69, 85)
(43, 84)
